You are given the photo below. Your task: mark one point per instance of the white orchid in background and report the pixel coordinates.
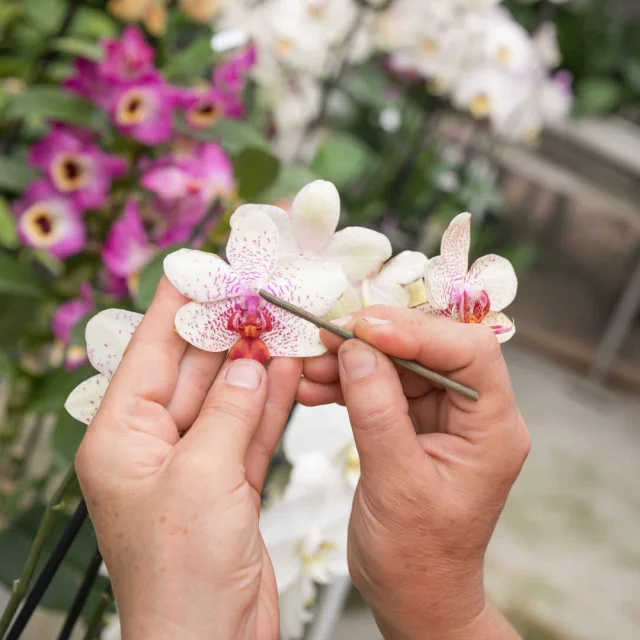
(306, 532)
(228, 313)
(474, 296)
(310, 232)
(107, 335)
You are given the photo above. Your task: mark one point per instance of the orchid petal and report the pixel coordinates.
(312, 284)
(503, 326)
(205, 325)
(325, 430)
(442, 282)
(287, 564)
(456, 240)
(293, 604)
(288, 246)
(315, 214)
(495, 275)
(388, 294)
(405, 268)
(358, 251)
(201, 276)
(107, 335)
(253, 247)
(291, 336)
(83, 402)
(310, 478)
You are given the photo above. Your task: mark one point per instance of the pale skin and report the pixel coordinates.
(177, 517)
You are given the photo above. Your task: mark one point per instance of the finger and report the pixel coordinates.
(378, 410)
(198, 369)
(312, 394)
(283, 377)
(149, 368)
(230, 414)
(323, 369)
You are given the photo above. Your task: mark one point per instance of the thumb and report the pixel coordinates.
(378, 410)
(231, 412)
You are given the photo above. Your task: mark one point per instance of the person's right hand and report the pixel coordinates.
(436, 468)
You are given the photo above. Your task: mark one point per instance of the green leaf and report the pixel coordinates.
(15, 174)
(45, 15)
(18, 278)
(56, 104)
(255, 170)
(16, 312)
(8, 235)
(367, 85)
(290, 180)
(53, 388)
(149, 278)
(67, 436)
(7, 366)
(341, 159)
(192, 61)
(233, 135)
(632, 74)
(93, 24)
(78, 47)
(597, 96)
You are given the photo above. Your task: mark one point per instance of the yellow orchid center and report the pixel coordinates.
(429, 45)
(480, 106)
(317, 555)
(351, 468)
(504, 54)
(40, 225)
(204, 114)
(132, 108)
(69, 172)
(284, 47)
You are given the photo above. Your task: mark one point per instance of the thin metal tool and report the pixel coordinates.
(443, 381)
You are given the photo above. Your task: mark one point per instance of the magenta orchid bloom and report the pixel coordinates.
(66, 318)
(88, 82)
(127, 248)
(144, 111)
(76, 166)
(128, 59)
(228, 313)
(49, 220)
(186, 185)
(474, 296)
(204, 107)
(230, 76)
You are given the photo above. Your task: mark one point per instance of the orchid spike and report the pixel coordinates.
(107, 335)
(474, 296)
(310, 231)
(228, 313)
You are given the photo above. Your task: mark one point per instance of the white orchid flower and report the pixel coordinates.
(474, 296)
(228, 313)
(310, 231)
(107, 335)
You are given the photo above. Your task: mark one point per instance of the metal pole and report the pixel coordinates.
(332, 602)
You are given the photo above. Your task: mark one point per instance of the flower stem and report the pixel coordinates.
(97, 619)
(20, 585)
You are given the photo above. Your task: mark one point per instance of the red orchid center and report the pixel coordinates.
(250, 323)
(474, 305)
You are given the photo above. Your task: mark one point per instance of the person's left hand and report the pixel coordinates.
(177, 518)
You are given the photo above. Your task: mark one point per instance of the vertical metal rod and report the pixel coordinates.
(332, 602)
(81, 596)
(48, 572)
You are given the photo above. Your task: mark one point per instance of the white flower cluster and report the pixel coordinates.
(472, 51)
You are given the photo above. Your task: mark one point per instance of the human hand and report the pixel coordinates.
(436, 468)
(177, 517)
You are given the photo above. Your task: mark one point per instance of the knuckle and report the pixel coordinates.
(227, 409)
(375, 418)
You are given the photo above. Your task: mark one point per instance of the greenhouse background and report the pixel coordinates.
(131, 128)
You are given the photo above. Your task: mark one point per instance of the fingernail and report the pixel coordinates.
(341, 322)
(245, 374)
(358, 360)
(375, 321)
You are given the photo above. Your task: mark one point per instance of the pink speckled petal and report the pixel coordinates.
(456, 240)
(84, 400)
(311, 284)
(292, 336)
(503, 325)
(253, 247)
(315, 213)
(108, 333)
(442, 282)
(201, 276)
(288, 247)
(359, 251)
(495, 275)
(205, 325)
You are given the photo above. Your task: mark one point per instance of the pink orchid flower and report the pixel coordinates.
(88, 82)
(49, 220)
(230, 76)
(187, 184)
(128, 59)
(474, 296)
(66, 317)
(205, 106)
(228, 313)
(76, 166)
(107, 335)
